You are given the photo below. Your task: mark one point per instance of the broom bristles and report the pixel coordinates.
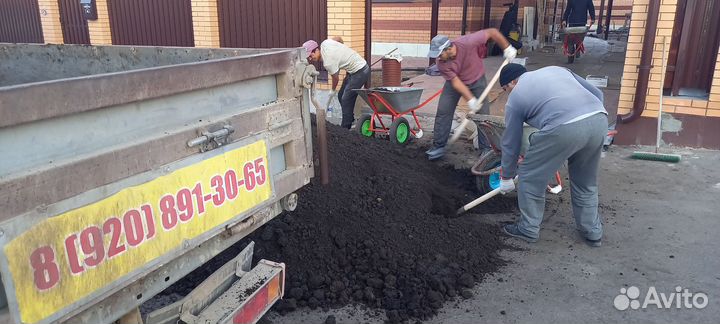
(673, 158)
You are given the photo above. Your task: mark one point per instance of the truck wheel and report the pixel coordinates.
(489, 182)
(400, 131)
(364, 126)
(289, 202)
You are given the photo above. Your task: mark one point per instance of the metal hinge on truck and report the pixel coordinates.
(235, 293)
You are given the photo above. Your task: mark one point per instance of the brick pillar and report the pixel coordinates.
(346, 18)
(50, 19)
(100, 33)
(206, 27)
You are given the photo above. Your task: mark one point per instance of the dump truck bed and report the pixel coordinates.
(125, 168)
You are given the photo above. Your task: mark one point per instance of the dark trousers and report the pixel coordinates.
(348, 95)
(446, 109)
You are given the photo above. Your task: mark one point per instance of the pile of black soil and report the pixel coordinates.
(377, 235)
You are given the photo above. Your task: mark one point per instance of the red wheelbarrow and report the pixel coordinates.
(396, 102)
(573, 44)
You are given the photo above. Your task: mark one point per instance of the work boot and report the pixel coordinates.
(512, 230)
(435, 152)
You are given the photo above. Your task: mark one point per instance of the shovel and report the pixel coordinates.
(461, 128)
(477, 201)
(480, 200)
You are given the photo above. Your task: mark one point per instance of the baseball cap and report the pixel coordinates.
(511, 72)
(437, 45)
(309, 46)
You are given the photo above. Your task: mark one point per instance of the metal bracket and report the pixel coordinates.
(212, 140)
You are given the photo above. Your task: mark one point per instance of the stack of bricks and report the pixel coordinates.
(206, 28)
(100, 29)
(50, 20)
(666, 23)
(346, 19)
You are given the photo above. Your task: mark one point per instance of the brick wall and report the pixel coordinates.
(410, 22)
(50, 20)
(346, 19)
(206, 28)
(100, 28)
(666, 23)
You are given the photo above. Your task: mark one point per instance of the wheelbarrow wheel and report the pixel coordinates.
(489, 182)
(400, 131)
(571, 49)
(365, 124)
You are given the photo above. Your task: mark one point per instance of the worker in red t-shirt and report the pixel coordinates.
(461, 64)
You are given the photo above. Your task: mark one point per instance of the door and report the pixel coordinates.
(151, 22)
(74, 25)
(271, 23)
(20, 22)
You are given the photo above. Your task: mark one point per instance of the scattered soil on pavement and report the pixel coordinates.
(377, 235)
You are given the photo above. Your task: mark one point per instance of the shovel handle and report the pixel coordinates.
(478, 201)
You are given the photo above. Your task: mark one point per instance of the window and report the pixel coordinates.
(693, 48)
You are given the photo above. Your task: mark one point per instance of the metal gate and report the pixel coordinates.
(20, 22)
(271, 23)
(151, 22)
(74, 25)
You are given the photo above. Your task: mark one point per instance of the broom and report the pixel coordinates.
(650, 156)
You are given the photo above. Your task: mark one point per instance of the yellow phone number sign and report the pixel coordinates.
(65, 258)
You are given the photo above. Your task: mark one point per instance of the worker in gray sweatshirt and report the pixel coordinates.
(572, 123)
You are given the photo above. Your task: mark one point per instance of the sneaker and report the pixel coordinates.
(512, 230)
(594, 243)
(435, 153)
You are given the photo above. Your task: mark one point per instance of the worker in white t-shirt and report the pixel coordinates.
(335, 57)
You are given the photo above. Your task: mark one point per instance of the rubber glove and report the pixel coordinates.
(507, 185)
(474, 104)
(510, 52)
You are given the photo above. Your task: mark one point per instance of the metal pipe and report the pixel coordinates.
(645, 63)
(434, 16)
(552, 34)
(368, 36)
(609, 15)
(322, 136)
(486, 18)
(464, 18)
(600, 18)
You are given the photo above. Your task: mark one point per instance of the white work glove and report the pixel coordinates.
(507, 185)
(510, 52)
(474, 104)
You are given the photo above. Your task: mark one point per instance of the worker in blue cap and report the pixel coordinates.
(460, 62)
(572, 123)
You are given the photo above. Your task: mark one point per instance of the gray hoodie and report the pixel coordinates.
(545, 99)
